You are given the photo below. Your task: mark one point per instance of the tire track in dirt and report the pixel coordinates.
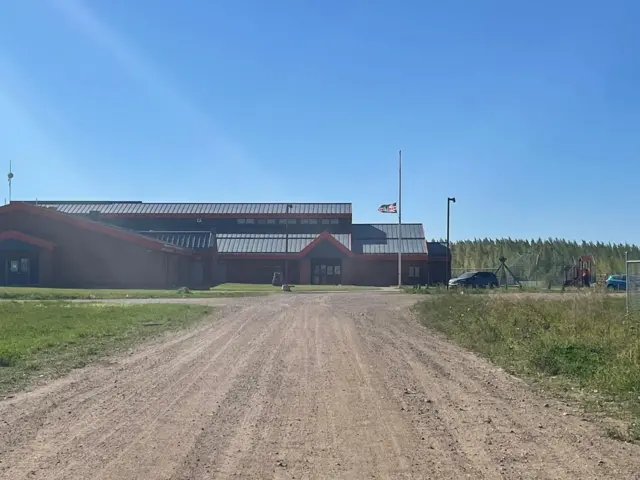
(301, 386)
(281, 428)
(151, 387)
(489, 422)
(219, 449)
(74, 391)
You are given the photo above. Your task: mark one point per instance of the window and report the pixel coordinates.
(24, 265)
(250, 221)
(335, 221)
(336, 270)
(282, 221)
(241, 221)
(14, 266)
(414, 272)
(262, 221)
(304, 221)
(325, 221)
(292, 221)
(313, 221)
(271, 221)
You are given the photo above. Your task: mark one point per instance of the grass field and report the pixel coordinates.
(511, 289)
(224, 290)
(585, 347)
(50, 338)
(38, 293)
(263, 288)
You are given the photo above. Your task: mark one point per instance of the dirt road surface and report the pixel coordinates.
(320, 386)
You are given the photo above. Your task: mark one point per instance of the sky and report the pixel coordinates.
(527, 112)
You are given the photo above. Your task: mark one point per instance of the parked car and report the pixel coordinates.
(616, 282)
(475, 280)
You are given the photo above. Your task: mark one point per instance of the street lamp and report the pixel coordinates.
(285, 277)
(450, 200)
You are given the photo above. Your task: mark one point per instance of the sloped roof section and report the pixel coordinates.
(384, 239)
(191, 240)
(86, 224)
(193, 209)
(387, 230)
(437, 249)
(382, 247)
(270, 242)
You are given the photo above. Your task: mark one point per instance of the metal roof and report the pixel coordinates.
(88, 224)
(387, 230)
(192, 240)
(150, 209)
(437, 249)
(269, 242)
(388, 246)
(383, 238)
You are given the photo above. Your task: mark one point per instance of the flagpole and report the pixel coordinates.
(400, 219)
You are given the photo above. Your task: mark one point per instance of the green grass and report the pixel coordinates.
(266, 288)
(511, 289)
(50, 338)
(584, 346)
(38, 293)
(220, 291)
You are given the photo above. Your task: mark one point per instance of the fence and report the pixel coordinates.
(633, 285)
(529, 276)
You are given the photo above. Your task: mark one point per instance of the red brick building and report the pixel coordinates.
(244, 243)
(39, 246)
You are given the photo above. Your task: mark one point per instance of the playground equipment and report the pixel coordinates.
(574, 274)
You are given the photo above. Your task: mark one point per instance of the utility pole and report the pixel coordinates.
(285, 277)
(450, 200)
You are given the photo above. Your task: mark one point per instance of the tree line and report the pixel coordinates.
(540, 259)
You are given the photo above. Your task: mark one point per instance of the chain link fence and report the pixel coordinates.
(633, 286)
(527, 275)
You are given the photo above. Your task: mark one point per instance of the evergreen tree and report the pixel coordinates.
(539, 259)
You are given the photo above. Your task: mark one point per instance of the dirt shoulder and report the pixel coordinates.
(308, 386)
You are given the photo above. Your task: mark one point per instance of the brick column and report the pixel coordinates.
(348, 271)
(305, 271)
(45, 266)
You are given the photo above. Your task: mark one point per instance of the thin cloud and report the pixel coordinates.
(134, 62)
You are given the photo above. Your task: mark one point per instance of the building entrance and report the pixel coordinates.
(326, 271)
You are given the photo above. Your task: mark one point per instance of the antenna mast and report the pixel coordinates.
(10, 177)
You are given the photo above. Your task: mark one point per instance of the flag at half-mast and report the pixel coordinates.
(388, 208)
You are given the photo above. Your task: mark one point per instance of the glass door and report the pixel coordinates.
(326, 272)
(17, 270)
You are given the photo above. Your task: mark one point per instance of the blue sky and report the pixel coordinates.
(527, 112)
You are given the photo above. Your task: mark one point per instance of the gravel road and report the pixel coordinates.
(322, 386)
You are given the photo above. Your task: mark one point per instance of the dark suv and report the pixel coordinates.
(475, 280)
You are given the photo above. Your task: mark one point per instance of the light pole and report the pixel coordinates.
(285, 277)
(450, 200)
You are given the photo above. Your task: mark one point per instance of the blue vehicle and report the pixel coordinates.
(616, 282)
